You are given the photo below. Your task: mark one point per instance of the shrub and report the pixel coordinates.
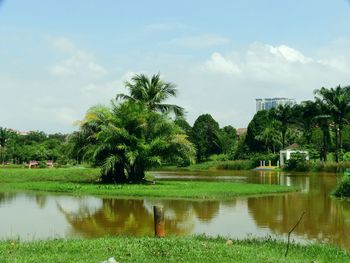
(298, 163)
(218, 157)
(346, 157)
(236, 165)
(343, 187)
(316, 166)
(42, 164)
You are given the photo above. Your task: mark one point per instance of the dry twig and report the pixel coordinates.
(290, 232)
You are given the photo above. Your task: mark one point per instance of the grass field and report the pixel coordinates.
(83, 182)
(173, 249)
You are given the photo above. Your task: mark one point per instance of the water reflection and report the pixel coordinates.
(6, 198)
(48, 216)
(135, 217)
(326, 219)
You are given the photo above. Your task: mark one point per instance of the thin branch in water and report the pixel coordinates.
(290, 232)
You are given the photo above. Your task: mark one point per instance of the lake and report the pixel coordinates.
(30, 216)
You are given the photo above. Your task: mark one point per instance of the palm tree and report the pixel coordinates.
(128, 139)
(270, 136)
(323, 122)
(337, 102)
(304, 115)
(152, 92)
(283, 114)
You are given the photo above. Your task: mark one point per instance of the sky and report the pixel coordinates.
(59, 57)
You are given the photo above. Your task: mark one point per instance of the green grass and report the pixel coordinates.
(59, 174)
(162, 189)
(82, 182)
(173, 249)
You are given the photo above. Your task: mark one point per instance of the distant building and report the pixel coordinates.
(19, 132)
(269, 103)
(241, 131)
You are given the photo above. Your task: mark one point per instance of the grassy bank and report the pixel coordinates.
(162, 189)
(317, 166)
(49, 175)
(82, 182)
(174, 249)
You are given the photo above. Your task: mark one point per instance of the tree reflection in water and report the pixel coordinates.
(135, 217)
(6, 198)
(326, 219)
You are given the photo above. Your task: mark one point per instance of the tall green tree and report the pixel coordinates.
(4, 136)
(283, 114)
(337, 105)
(228, 138)
(130, 139)
(255, 128)
(206, 137)
(270, 137)
(183, 124)
(304, 115)
(152, 92)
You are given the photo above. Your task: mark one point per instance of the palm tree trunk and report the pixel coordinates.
(336, 145)
(324, 150)
(340, 142)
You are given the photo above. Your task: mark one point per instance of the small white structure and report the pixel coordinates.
(285, 155)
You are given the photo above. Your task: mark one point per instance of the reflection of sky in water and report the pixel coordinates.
(31, 216)
(231, 221)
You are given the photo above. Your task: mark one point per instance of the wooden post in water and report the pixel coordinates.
(159, 222)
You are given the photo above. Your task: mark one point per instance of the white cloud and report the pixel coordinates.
(260, 70)
(289, 54)
(201, 41)
(63, 44)
(218, 63)
(223, 84)
(80, 63)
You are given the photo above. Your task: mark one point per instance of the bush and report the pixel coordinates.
(218, 157)
(346, 157)
(297, 163)
(236, 165)
(316, 166)
(343, 187)
(42, 164)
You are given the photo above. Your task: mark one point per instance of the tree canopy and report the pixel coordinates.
(129, 138)
(151, 92)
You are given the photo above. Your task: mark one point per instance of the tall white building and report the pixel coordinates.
(269, 103)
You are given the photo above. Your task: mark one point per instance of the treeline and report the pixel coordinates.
(17, 148)
(320, 126)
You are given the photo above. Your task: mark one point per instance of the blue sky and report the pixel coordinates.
(57, 58)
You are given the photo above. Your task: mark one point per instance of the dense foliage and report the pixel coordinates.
(127, 139)
(138, 132)
(16, 148)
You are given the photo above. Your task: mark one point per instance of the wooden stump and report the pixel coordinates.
(159, 222)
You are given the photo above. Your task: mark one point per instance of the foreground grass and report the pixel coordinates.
(174, 249)
(83, 182)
